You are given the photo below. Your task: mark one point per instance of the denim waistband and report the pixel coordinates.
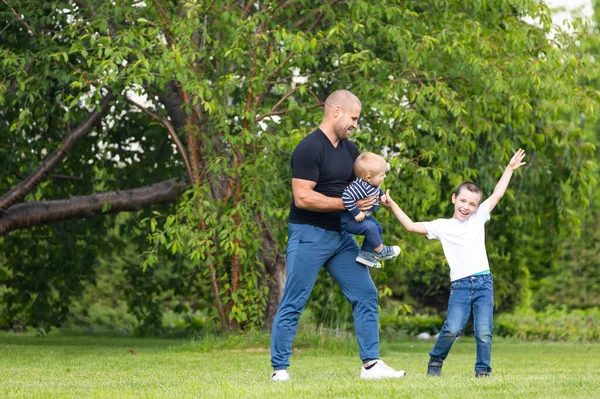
(483, 274)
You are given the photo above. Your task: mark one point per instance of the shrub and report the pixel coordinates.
(410, 324)
(554, 324)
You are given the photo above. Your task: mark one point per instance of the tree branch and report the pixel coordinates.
(171, 98)
(31, 32)
(283, 112)
(272, 111)
(172, 134)
(30, 214)
(27, 185)
(86, 5)
(160, 7)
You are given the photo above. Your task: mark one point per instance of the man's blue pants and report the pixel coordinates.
(310, 248)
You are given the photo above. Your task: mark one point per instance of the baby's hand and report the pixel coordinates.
(360, 217)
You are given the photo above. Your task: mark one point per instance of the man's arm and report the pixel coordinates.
(306, 197)
(515, 163)
(415, 227)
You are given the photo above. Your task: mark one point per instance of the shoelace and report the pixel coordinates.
(383, 365)
(386, 251)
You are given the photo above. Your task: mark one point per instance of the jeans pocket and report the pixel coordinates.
(307, 234)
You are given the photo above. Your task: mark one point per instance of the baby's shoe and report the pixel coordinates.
(387, 252)
(367, 259)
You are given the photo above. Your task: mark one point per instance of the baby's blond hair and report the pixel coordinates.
(367, 163)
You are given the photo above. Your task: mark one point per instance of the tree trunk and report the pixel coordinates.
(275, 269)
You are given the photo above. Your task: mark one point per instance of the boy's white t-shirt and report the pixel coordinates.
(463, 242)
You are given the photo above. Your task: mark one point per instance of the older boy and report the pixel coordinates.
(463, 242)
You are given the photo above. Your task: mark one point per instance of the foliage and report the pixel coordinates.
(410, 325)
(486, 86)
(43, 269)
(572, 280)
(449, 90)
(553, 324)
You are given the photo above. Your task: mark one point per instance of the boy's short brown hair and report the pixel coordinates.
(472, 187)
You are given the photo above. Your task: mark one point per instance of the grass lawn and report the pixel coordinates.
(58, 366)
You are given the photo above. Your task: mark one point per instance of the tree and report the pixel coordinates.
(449, 90)
(572, 280)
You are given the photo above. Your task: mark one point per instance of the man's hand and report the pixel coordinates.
(517, 160)
(366, 203)
(360, 217)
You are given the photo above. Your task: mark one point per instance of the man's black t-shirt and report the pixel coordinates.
(332, 168)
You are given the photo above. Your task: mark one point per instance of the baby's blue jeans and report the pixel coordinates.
(369, 227)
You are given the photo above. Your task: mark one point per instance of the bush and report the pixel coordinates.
(410, 325)
(553, 324)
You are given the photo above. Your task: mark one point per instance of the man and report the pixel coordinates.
(322, 166)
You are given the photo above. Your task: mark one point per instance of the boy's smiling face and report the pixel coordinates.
(465, 204)
(375, 178)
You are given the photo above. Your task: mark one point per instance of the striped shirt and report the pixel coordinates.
(357, 190)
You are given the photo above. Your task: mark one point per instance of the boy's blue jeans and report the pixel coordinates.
(477, 293)
(310, 248)
(369, 227)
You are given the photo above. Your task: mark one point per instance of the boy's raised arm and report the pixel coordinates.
(515, 163)
(415, 227)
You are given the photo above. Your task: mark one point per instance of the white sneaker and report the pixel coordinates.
(281, 375)
(380, 370)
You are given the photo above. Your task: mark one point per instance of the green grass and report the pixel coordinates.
(238, 366)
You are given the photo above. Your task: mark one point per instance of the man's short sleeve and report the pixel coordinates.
(305, 162)
(433, 229)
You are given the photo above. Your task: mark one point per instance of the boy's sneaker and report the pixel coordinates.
(388, 252)
(380, 370)
(483, 373)
(368, 259)
(434, 368)
(281, 375)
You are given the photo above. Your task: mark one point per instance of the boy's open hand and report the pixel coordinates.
(385, 199)
(517, 160)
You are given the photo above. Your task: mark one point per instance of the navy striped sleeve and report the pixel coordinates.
(357, 190)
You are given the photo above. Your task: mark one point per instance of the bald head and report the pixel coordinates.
(342, 99)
